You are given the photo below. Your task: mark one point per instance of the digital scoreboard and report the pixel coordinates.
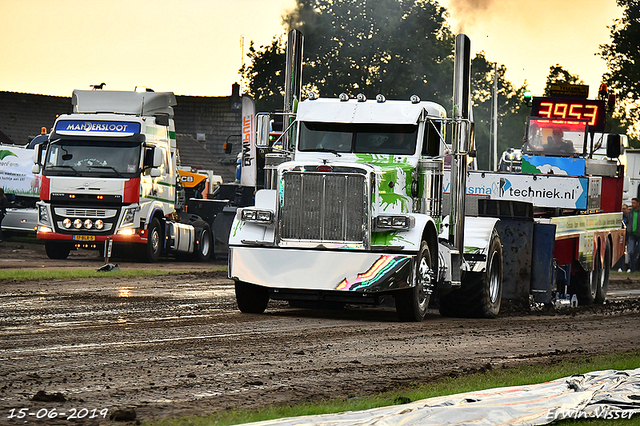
(571, 109)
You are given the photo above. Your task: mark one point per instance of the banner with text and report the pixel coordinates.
(540, 190)
(15, 171)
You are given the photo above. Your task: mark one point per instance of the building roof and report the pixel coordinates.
(203, 125)
(22, 115)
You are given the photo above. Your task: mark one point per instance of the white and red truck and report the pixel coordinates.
(110, 172)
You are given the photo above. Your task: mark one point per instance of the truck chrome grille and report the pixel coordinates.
(323, 207)
(101, 213)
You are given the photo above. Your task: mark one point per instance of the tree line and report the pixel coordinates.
(405, 47)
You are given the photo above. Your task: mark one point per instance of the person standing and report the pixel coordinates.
(633, 234)
(4, 203)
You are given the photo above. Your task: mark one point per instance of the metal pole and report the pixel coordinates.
(495, 116)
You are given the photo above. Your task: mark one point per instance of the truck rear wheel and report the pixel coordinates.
(154, 240)
(603, 284)
(204, 242)
(56, 250)
(585, 284)
(481, 293)
(251, 298)
(412, 303)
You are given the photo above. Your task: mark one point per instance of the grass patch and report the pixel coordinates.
(514, 376)
(70, 274)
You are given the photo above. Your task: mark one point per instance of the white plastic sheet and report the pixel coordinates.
(605, 394)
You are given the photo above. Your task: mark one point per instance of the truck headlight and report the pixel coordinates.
(395, 222)
(43, 215)
(128, 216)
(257, 216)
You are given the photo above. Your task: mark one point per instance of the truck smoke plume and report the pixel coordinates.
(466, 12)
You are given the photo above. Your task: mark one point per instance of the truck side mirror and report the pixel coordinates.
(614, 146)
(262, 130)
(157, 157)
(227, 146)
(37, 154)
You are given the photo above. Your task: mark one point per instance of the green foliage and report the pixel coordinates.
(557, 74)
(623, 62)
(397, 48)
(265, 75)
(512, 112)
(53, 274)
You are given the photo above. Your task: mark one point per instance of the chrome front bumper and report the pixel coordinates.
(320, 270)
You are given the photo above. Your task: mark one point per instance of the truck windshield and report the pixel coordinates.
(398, 139)
(93, 158)
(555, 137)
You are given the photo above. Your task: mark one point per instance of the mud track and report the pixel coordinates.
(176, 345)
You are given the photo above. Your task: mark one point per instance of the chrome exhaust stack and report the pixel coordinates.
(461, 139)
(292, 81)
(292, 94)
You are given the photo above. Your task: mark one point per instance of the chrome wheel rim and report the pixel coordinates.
(424, 283)
(155, 240)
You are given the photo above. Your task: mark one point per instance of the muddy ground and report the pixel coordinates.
(176, 345)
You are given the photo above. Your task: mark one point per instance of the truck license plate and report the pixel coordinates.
(84, 237)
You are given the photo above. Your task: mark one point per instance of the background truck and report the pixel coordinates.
(352, 214)
(566, 194)
(110, 172)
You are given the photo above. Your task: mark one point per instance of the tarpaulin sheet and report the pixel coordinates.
(605, 394)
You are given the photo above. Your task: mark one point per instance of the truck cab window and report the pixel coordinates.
(93, 158)
(431, 141)
(358, 138)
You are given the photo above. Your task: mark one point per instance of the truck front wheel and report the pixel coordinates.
(412, 303)
(154, 239)
(251, 298)
(56, 250)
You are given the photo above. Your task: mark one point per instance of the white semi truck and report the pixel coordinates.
(353, 213)
(110, 172)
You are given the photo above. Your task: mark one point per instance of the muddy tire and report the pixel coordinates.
(603, 283)
(412, 303)
(154, 242)
(481, 293)
(204, 242)
(56, 250)
(585, 284)
(251, 298)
